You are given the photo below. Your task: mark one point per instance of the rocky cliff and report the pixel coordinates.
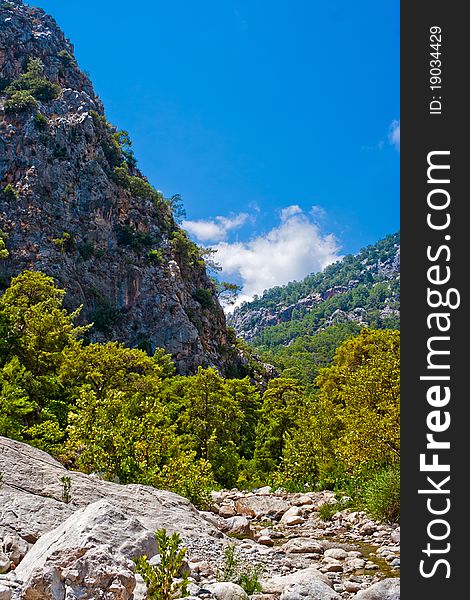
(74, 205)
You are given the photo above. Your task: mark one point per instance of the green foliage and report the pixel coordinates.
(3, 249)
(66, 58)
(327, 510)
(187, 253)
(65, 243)
(156, 256)
(160, 577)
(86, 249)
(9, 194)
(20, 101)
(234, 569)
(66, 482)
(382, 495)
(204, 297)
(281, 402)
(106, 316)
(40, 121)
(188, 476)
(127, 235)
(34, 83)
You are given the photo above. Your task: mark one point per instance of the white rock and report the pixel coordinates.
(276, 585)
(313, 590)
(302, 546)
(293, 511)
(387, 589)
(337, 553)
(226, 590)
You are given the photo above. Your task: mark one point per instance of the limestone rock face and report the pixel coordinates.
(64, 180)
(32, 504)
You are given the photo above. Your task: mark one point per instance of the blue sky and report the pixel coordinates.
(277, 121)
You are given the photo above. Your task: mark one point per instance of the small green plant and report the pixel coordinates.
(21, 101)
(127, 235)
(106, 316)
(66, 58)
(9, 193)
(40, 121)
(247, 576)
(382, 496)
(86, 249)
(66, 243)
(3, 249)
(7, 5)
(160, 578)
(327, 510)
(66, 482)
(155, 257)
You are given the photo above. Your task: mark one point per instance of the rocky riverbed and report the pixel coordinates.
(55, 547)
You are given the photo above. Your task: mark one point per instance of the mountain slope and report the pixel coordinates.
(74, 205)
(363, 289)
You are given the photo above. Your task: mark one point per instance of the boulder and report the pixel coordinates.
(99, 531)
(226, 590)
(276, 585)
(5, 592)
(262, 506)
(387, 589)
(337, 553)
(32, 502)
(239, 527)
(302, 546)
(312, 590)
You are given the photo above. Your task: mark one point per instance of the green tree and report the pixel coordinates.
(281, 403)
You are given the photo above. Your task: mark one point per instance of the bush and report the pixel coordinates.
(327, 510)
(34, 83)
(105, 316)
(126, 235)
(86, 250)
(159, 578)
(9, 194)
(155, 257)
(66, 243)
(382, 496)
(40, 121)
(66, 58)
(20, 101)
(204, 297)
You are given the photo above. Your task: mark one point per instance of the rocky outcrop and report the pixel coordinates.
(77, 207)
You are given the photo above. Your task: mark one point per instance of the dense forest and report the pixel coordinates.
(125, 415)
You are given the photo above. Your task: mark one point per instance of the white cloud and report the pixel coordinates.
(291, 251)
(215, 230)
(394, 134)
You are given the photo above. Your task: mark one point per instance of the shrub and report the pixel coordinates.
(155, 257)
(127, 235)
(40, 121)
(204, 297)
(66, 243)
(160, 578)
(20, 101)
(34, 83)
(9, 194)
(327, 510)
(382, 496)
(66, 482)
(66, 58)
(86, 250)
